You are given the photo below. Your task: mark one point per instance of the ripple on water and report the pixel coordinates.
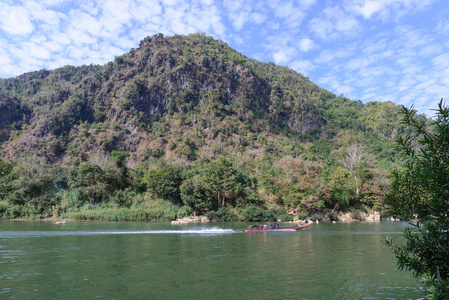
(28, 234)
(10, 254)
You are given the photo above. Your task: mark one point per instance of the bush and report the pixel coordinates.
(13, 211)
(316, 217)
(70, 201)
(256, 213)
(253, 213)
(303, 215)
(140, 210)
(333, 216)
(122, 198)
(281, 214)
(222, 214)
(357, 215)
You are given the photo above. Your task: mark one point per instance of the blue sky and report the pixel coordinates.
(368, 50)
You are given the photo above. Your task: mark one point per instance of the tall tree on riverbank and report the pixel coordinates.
(223, 180)
(356, 158)
(420, 194)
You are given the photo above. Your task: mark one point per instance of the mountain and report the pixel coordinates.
(184, 97)
(187, 119)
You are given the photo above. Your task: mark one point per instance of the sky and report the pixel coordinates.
(368, 50)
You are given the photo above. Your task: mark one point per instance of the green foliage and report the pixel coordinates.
(5, 174)
(257, 213)
(187, 149)
(135, 90)
(90, 180)
(419, 193)
(8, 211)
(224, 180)
(222, 214)
(122, 198)
(253, 213)
(150, 211)
(31, 178)
(195, 193)
(333, 216)
(165, 183)
(340, 188)
(357, 215)
(282, 215)
(316, 217)
(267, 182)
(303, 215)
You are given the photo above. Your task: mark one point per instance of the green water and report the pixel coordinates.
(118, 260)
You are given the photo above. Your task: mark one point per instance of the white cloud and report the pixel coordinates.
(232, 5)
(258, 17)
(443, 26)
(83, 22)
(302, 66)
(283, 56)
(328, 56)
(283, 47)
(334, 23)
(330, 80)
(306, 4)
(386, 10)
(288, 14)
(431, 50)
(38, 12)
(4, 58)
(368, 8)
(145, 11)
(441, 62)
(15, 20)
(410, 37)
(36, 51)
(306, 44)
(375, 46)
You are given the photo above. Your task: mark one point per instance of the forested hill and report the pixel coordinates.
(188, 101)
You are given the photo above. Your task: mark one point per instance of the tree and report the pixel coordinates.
(195, 194)
(31, 178)
(223, 179)
(375, 188)
(420, 194)
(340, 188)
(5, 171)
(165, 183)
(356, 158)
(89, 180)
(303, 182)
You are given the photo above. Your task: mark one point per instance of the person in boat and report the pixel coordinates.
(254, 227)
(276, 226)
(264, 227)
(271, 226)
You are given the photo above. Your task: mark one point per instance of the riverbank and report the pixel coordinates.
(160, 210)
(350, 216)
(180, 219)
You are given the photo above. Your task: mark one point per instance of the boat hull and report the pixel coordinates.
(277, 229)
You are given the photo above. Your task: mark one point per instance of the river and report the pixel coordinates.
(157, 260)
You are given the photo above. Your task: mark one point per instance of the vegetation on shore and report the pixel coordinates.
(185, 125)
(419, 194)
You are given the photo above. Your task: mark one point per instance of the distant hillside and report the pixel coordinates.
(183, 97)
(186, 125)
